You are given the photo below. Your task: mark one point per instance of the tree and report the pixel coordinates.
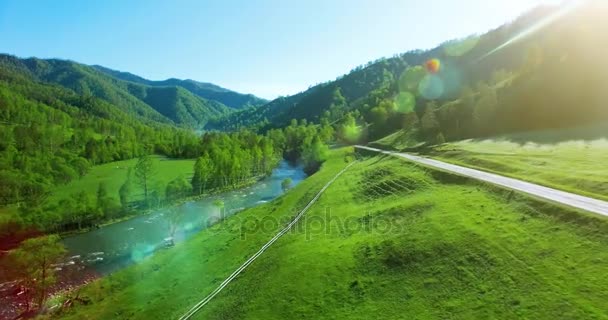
(82, 208)
(103, 200)
(314, 155)
(177, 188)
(286, 184)
(125, 191)
(428, 122)
(203, 169)
(34, 260)
(485, 109)
(144, 171)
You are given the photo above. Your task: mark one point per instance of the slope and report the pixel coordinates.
(161, 104)
(204, 90)
(521, 76)
(379, 241)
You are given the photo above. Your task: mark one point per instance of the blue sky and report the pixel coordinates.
(266, 47)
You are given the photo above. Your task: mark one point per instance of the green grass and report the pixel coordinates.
(398, 140)
(387, 239)
(574, 165)
(114, 174)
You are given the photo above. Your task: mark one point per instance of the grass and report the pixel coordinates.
(399, 140)
(387, 239)
(114, 174)
(576, 165)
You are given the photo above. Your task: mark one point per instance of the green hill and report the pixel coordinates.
(51, 135)
(186, 103)
(483, 87)
(378, 242)
(209, 91)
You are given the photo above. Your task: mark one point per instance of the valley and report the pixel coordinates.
(467, 180)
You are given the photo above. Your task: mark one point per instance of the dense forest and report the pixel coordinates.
(482, 86)
(52, 135)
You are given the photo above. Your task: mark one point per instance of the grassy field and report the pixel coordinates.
(387, 239)
(398, 140)
(575, 164)
(114, 174)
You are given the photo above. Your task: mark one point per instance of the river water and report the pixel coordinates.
(118, 245)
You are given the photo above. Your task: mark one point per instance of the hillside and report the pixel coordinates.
(51, 135)
(572, 160)
(209, 91)
(379, 241)
(185, 103)
(518, 77)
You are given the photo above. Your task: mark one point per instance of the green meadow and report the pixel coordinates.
(114, 174)
(388, 239)
(562, 160)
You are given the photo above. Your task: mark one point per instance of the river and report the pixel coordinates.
(118, 245)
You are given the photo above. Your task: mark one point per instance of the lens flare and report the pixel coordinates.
(452, 78)
(433, 65)
(536, 27)
(405, 102)
(431, 87)
(141, 251)
(410, 78)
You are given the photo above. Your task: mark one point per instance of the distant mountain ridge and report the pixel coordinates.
(204, 90)
(182, 102)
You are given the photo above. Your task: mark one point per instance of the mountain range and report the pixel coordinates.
(185, 103)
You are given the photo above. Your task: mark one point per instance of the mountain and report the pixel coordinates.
(514, 62)
(204, 90)
(171, 101)
(50, 134)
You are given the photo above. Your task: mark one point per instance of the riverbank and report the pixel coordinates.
(388, 237)
(102, 251)
(205, 257)
(176, 203)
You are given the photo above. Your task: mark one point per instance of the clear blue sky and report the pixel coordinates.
(265, 47)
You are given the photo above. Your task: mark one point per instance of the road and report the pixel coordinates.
(245, 264)
(558, 196)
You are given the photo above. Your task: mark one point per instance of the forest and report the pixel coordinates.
(538, 82)
(51, 135)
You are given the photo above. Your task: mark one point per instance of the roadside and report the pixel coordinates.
(558, 196)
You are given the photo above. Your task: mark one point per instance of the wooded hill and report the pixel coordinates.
(541, 71)
(183, 102)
